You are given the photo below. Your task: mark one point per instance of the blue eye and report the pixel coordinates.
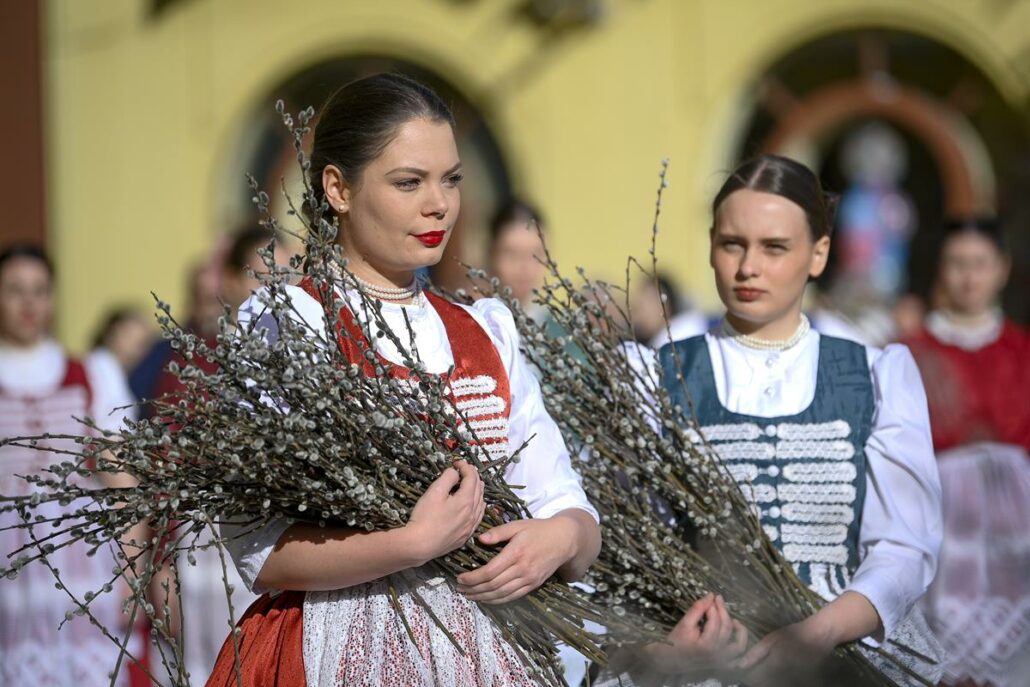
(455, 179)
(407, 184)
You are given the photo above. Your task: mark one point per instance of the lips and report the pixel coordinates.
(431, 238)
(748, 295)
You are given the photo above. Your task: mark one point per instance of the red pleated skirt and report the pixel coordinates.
(271, 641)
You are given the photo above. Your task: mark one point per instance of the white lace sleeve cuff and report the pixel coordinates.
(885, 578)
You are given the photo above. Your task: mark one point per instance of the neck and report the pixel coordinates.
(383, 278)
(779, 329)
(970, 320)
(360, 267)
(20, 344)
(398, 288)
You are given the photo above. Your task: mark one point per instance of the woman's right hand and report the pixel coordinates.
(702, 644)
(442, 521)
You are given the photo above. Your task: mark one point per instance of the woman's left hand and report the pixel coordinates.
(535, 549)
(791, 655)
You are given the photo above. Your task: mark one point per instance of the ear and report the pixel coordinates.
(337, 190)
(820, 254)
(1006, 271)
(711, 247)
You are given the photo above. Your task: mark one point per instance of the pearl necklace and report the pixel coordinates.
(401, 295)
(764, 344)
(390, 294)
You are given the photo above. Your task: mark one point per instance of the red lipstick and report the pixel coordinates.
(748, 295)
(431, 238)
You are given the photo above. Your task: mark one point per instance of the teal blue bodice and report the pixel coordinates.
(804, 473)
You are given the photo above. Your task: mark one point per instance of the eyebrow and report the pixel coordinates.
(739, 237)
(421, 172)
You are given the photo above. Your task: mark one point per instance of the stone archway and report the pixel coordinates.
(929, 119)
(968, 144)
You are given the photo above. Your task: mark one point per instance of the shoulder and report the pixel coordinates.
(257, 309)
(100, 363)
(688, 343)
(843, 346)
(922, 341)
(494, 316)
(893, 367)
(1017, 334)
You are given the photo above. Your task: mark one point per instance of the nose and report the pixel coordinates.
(436, 204)
(750, 265)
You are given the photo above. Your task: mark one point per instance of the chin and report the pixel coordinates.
(751, 312)
(432, 257)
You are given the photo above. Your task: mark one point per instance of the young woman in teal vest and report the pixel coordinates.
(829, 438)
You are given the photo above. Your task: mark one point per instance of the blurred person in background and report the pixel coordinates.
(516, 251)
(656, 301)
(118, 346)
(226, 279)
(42, 390)
(242, 264)
(975, 364)
(202, 312)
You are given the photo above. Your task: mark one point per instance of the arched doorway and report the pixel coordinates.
(265, 151)
(966, 149)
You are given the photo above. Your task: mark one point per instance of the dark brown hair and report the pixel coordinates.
(788, 179)
(244, 245)
(114, 319)
(510, 211)
(360, 119)
(26, 250)
(984, 226)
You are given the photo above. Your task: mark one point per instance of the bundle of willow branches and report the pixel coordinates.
(675, 523)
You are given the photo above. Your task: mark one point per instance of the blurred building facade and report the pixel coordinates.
(155, 109)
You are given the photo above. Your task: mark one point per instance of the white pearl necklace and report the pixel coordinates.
(387, 293)
(390, 294)
(765, 344)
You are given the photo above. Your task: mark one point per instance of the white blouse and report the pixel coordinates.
(548, 482)
(901, 516)
(101, 363)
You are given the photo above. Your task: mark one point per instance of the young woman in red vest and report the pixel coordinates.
(976, 367)
(385, 160)
(42, 390)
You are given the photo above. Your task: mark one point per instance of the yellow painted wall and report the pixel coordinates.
(144, 116)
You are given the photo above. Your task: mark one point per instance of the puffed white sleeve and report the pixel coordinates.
(544, 469)
(901, 518)
(112, 400)
(248, 544)
(645, 367)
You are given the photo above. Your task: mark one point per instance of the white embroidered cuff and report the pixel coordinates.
(885, 594)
